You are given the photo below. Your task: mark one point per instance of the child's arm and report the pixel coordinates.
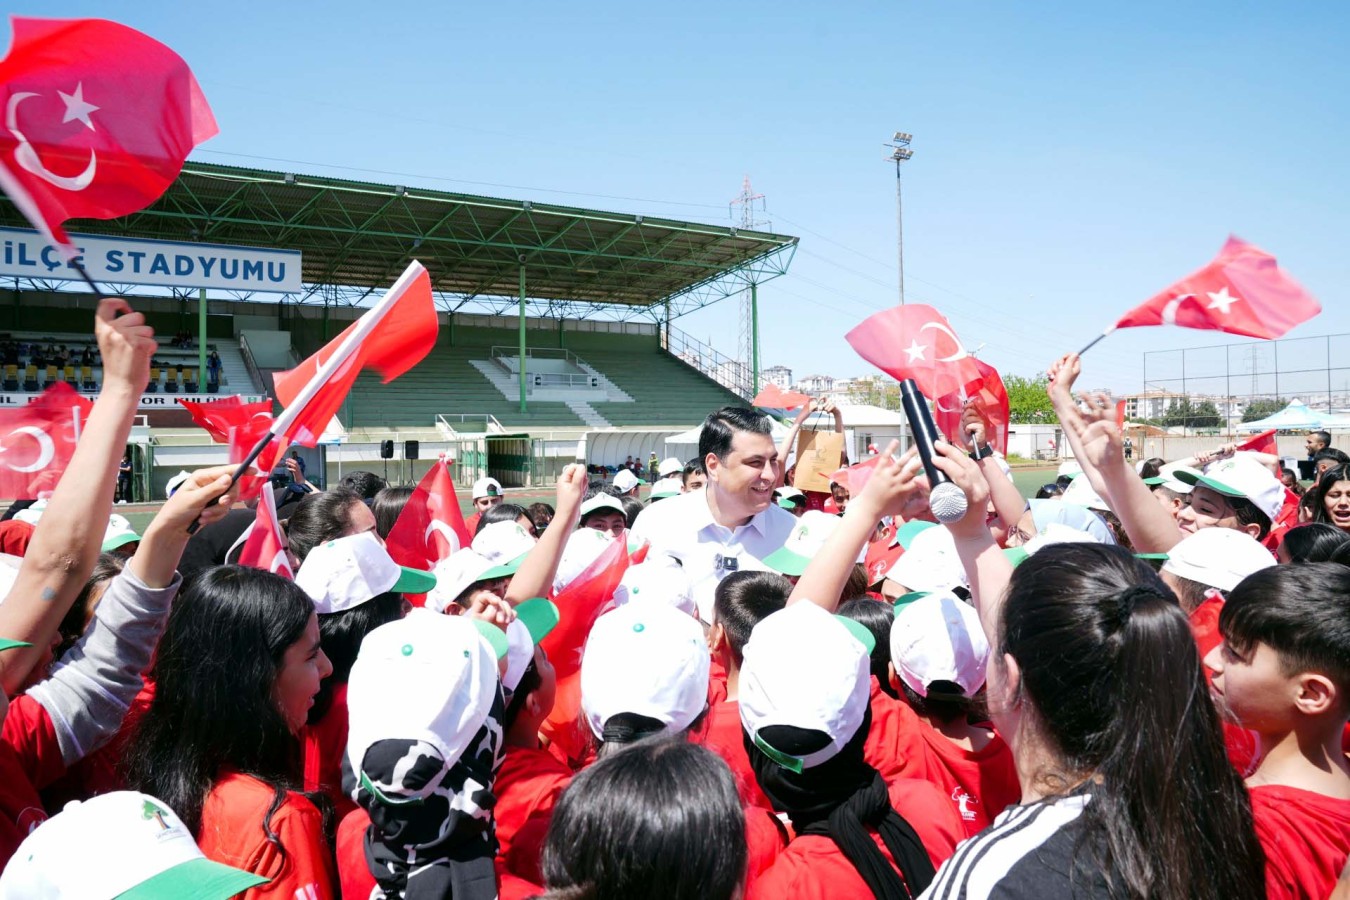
(68, 537)
(534, 578)
(1008, 501)
(894, 488)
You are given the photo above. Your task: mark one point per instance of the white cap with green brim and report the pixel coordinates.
(660, 581)
(343, 573)
(1217, 557)
(118, 533)
(497, 551)
(1170, 478)
(805, 540)
(931, 563)
(601, 501)
(534, 620)
(938, 637)
(647, 659)
(830, 695)
(625, 481)
(670, 466)
(665, 489)
(130, 846)
(584, 546)
(1242, 476)
(426, 678)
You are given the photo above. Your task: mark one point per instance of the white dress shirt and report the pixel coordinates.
(683, 529)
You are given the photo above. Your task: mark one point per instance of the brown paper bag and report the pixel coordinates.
(818, 455)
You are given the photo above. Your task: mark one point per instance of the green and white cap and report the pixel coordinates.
(426, 678)
(660, 581)
(828, 695)
(665, 489)
(805, 540)
(130, 846)
(1241, 476)
(343, 573)
(497, 551)
(119, 533)
(1170, 477)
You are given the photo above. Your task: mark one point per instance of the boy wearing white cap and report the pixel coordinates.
(1212, 559)
(938, 658)
(805, 728)
(423, 760)
(486, 492)
(644, 671)
(626, 484)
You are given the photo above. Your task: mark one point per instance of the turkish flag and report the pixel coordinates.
(265, 547)
(989, 395)
(37, 441)
(581, 603)
(1243, 291)
(774, 397)
(98, 121)
(431, 526)
(241, 425)
(915, 341)
(391, 338)
(221, 417)
(1261, 443)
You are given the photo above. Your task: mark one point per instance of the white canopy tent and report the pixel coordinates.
(684, 446)
(1297, 417)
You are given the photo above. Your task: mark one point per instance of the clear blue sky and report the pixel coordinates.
(1070, 159)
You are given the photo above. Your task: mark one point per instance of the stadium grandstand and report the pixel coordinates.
(557, 340)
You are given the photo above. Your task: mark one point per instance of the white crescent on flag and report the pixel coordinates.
(46, 449)
(446, 534)
(960, 348)
(27, 157)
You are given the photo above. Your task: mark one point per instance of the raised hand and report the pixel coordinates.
(126, 344)
(572, 483)
(965, 473)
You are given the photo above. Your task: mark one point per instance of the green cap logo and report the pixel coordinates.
(150, 811)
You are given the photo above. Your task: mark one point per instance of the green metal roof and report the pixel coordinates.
(357, 236)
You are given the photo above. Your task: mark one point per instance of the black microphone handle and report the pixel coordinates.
(921, 425)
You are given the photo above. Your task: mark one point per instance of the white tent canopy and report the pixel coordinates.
(684, 445)
(1297, 417)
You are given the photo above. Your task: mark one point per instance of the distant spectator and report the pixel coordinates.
(1327, 458)
(541, 514)
(1317, 441)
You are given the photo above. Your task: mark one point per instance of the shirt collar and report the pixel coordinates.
(702, 516)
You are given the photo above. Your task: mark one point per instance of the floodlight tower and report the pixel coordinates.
(748, 345)
(898, 147)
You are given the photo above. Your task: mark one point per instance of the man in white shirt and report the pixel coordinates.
(733, 523)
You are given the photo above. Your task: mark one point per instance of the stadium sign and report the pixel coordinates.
(147, 401)
(175, 264)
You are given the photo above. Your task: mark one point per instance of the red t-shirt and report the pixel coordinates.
(471, 524)
(30, 758)
(325, 742)
(979, 784)
(232, 833)
(527, 788)
(1306, 838)
(723, 736)
(814, 868)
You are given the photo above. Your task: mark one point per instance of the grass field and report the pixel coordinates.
(1026, 479)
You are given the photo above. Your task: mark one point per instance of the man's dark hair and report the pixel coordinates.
(1323, 436)
(693, 467)
(367, 484)
(1336, 456)
(720, 428)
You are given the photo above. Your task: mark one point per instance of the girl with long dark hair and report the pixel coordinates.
(1095, 681)
(236, 675)
(1331, 498)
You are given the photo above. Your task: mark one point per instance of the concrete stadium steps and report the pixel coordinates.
(665, 390)
(446, 383)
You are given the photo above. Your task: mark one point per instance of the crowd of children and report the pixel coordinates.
(1136, 685)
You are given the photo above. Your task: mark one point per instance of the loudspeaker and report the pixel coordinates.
(410, 449)
(386, 449)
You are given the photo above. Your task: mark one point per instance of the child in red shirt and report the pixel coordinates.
(1282, 672)
(741, 601)
(235, 677)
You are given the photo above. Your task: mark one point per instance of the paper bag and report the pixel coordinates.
(818, 455)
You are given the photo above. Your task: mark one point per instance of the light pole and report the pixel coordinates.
(899, 152)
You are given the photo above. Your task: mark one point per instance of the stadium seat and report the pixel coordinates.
(87, 381)
(190, 381)
(30, 381)
(11, 377)
(153, 386)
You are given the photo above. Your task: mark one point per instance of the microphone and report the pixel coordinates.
(947, 501)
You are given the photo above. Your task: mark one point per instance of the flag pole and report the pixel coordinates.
(244, 466)
(1095, 340)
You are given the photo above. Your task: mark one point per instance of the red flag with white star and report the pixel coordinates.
(915, 341)
(431, 526)
(1242, 291)
(98, 121)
